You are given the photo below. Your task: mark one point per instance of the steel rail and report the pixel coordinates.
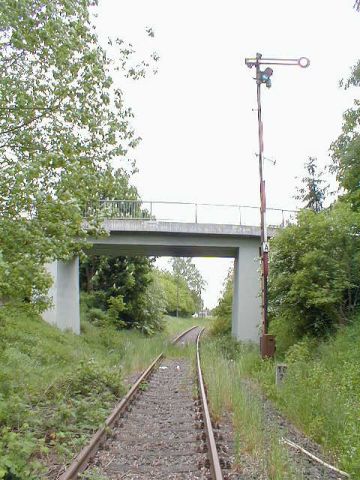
(80, 462)
(212, 450)
(179, 337)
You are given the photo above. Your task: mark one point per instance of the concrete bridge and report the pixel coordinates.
(137, 230)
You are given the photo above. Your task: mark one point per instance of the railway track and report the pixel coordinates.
(160, 430)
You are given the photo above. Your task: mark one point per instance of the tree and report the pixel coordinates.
(63, 125)
(151, 307)
(312, 192)
(223, 310)
(118, 284)
(179, 299)
(346, 149)
(184, 268)
(315, 272)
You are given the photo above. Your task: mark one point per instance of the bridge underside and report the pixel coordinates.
(165, 245)
(172, 239)
(165, 239)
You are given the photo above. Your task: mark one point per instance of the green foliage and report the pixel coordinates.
(176, 325)
(51, 384)
(222, 312)
(285, 328)
(57, 388)
(321, 393)
(312, 192)
(150, 308)
(178, 298)
(97, 316)
(226, 364)
(346, 149)
(126, 289)
(16, 448)
(184, 268)
(221, 326)
(65, 136)
(315, 272)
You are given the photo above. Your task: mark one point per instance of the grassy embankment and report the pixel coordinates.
(56, 388)
(320, 395)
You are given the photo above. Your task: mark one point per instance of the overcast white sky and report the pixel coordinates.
(195, 116)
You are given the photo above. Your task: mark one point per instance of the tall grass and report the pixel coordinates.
(321, 393)
(176, 325)
(224, 373)
(56, 388)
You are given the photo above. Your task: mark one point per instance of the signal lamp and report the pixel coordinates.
(265, 76)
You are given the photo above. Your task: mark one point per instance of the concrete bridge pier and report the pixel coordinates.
(246, 307)
(65, 295)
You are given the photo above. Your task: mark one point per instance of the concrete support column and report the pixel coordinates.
(246, 307)
(65, 295)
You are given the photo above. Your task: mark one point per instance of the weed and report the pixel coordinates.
(57, 388)
(92, 474)
(143, 386)
(320, 394)
(224, 370)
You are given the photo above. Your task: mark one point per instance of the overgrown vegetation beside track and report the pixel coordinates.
(56, 388)
(320, 394)
(226, 364)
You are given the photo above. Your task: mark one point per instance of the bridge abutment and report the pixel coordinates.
(65, 295)
(246, 307)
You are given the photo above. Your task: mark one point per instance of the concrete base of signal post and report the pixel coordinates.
(65, 296)
(246, 307)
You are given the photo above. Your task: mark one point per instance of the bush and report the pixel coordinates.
(321, 392)
(97, 317)
(315, 273)
(51, 384)
(285, 330)
(221, 326)
(130, 301)
(16, 450)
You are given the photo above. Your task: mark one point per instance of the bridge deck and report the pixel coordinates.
(154, 238)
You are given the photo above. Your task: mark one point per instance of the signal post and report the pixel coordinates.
(267, 341)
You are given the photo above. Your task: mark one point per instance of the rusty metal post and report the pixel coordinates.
(264, 244)
(267, 342)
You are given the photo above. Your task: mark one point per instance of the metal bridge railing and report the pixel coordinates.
(245, 215)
